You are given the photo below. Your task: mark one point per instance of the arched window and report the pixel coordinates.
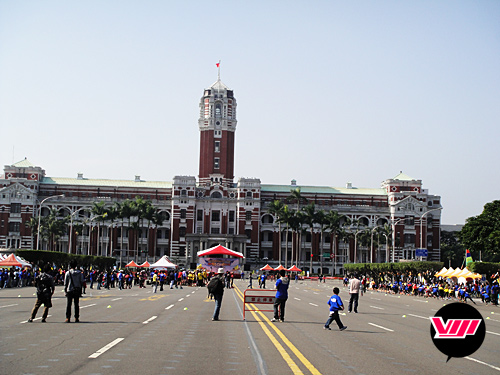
(218, 110)
(216, 195)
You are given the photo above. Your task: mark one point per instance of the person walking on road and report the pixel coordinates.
(45, 288)
(335, 305)
(73, 281)
(354, 285)
(250, 281)
(218, 292)
(281, 286)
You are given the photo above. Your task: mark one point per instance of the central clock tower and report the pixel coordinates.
(217, 126)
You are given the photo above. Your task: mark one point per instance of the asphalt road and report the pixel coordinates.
(134, 330)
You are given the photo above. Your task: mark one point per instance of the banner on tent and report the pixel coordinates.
(213, 264)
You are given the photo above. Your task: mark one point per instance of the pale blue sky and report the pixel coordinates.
(328, 91)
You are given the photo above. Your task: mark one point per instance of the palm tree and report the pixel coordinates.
(335, 223)
(32, 223)
(310, 219)
(158, 219)
(125, 212)
(148, 214)
(321, 220)
(286, 217)
(295, 195)
(276, 208)
(53, 228)
(112, 213)
(98, 209)
(300, 218)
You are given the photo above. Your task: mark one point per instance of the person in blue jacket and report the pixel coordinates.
(335, 305)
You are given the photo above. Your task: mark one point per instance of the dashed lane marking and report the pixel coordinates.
(15, 304)
(150, 319)
(313, 304)
(483, 363)
(376, 307)
(106, 348)
(48, 316)
(418, 316)
(169, 307)
(93, 304)
(375, 325)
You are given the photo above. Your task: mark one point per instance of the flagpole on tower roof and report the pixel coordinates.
(218, 71)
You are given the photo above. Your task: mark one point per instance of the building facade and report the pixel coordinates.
(214, 209)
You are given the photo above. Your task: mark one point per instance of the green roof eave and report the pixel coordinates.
(322, 190)
(106, 183)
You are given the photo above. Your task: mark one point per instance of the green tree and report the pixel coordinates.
(452, 249)
(32, 224)
(276, 208)
(481, 234)
(53, 228)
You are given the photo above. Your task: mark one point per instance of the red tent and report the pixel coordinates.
(219, 250)
(267, 267)
(294, 269)
(132, 264)
(13, 261)
(279, 268)
(146, 264)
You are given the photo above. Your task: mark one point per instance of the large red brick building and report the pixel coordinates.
(214, 209)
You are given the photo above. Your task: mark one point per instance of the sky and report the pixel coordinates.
(328, 91)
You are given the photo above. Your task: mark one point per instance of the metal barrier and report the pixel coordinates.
(257, 299)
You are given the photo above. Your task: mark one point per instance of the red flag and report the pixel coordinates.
(218, 64)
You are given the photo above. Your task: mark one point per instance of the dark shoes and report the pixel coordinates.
(214, 319)
(67, 321)
(344, 327)
(44, 321)
(327, 328)
(77, 320)
(30, 320)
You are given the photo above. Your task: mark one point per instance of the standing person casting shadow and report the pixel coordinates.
(354, 286)
(73, 281)
(45, 288)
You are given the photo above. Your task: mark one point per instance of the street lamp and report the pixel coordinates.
(421, 227)
(40, 217)
(371, 247)
(393, 224)
(356, 243)
(71, 228)
(90, 231)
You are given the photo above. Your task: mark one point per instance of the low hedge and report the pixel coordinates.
(62, 260)
(400, 267)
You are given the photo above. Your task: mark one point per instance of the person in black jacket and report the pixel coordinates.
(218, 293)
(45, 288)
(73, 281)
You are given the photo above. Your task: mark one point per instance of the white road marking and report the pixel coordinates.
(483, 363)
(375, 307)
(179, 300)
(169, 307)
(189, 295)
(82, 307)
(418, 300)
(378, 299)
(15, 304)
(48, 316)
(493, 333)
(298, 299)
(418, 316)
(116, 299)
(375, 325)
(106, 348)
(150, 319)
(313, 304)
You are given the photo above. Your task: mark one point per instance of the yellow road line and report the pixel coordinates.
(288, 343)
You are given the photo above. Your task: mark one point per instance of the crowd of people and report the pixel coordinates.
(427, 286)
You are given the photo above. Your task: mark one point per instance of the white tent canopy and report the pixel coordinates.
(163, 263)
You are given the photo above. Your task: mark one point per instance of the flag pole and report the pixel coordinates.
(218, 71)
